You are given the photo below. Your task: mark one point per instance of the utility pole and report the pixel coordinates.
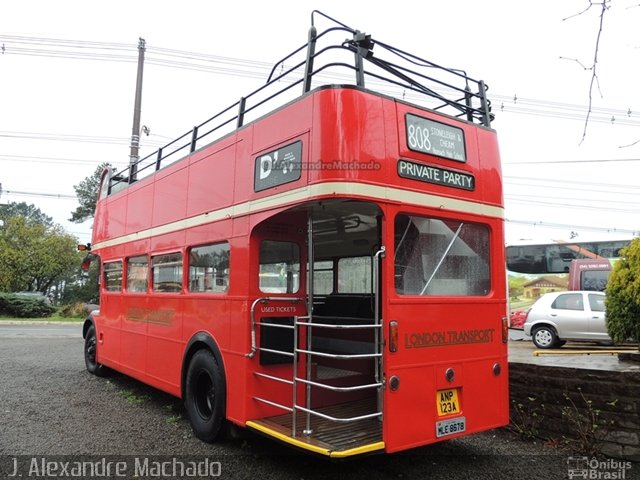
(135, 130)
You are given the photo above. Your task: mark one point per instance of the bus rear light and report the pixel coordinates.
(393, 336)
(497, 369)
(505, 329)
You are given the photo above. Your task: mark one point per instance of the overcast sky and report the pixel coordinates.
(61, 116)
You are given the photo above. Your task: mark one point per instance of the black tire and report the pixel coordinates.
(546, 337)
(90, 351)
(205, 396)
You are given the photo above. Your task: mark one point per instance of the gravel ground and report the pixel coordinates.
(51, 406)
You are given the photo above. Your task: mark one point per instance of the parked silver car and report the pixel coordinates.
(560, 316)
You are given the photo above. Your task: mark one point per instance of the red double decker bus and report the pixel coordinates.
(329, 273)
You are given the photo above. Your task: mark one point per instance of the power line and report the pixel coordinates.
(560, 162)
(56, 160)
(534, 223)
(63, 137)
(566, 183)
(38, 194)
(78, 49)
(539, 202)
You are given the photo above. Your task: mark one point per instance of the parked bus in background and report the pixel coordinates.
(588, 264)
(330, 273)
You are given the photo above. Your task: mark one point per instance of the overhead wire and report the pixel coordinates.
(76, 49)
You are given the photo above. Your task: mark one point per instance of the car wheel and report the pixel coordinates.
(90, 352)
(545, 337)
(205, 396)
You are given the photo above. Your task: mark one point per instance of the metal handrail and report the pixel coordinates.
(340, 356)
(254, 347)
(414, 74)
(352, 388)
(310, 353)
(273, 377)
(338, 326)
(338, 419)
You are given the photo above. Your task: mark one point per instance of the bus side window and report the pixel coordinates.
(209, 268)
(167, 272)
(137, 274)
(112, 272)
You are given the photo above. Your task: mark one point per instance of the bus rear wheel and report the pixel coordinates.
(90, 351)
(205, 396)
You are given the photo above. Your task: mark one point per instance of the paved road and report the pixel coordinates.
(17, 329)
(49, 405)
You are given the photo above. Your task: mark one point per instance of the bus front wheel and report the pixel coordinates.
(90, 351)
(205, 396)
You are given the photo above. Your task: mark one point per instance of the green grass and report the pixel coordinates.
(134, 398)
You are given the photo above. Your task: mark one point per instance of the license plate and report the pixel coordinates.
(451, 426)
(448, 402)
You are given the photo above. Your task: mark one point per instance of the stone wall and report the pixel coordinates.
(561, 402)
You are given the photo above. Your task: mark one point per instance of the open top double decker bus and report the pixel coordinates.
(329, 273)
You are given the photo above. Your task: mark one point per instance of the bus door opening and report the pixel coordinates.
(277, 297)
(345, 245)
(336, 382)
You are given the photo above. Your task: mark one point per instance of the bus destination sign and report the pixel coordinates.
(437, 175)
(435, 138)
(280, 166)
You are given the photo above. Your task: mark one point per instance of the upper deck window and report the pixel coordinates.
(104, 183)
(441, 257)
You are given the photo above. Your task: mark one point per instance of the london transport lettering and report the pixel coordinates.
(147, 315)
(437, 175)
(451, 337)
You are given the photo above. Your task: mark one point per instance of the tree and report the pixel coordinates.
(30, 212)
(87, 192)
(35, 255)
(623, 295)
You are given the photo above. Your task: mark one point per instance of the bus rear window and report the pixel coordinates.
(436, 257)
(595, 280)
(354, 275)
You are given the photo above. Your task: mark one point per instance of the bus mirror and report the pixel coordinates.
(86, 262)
(84, 248)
